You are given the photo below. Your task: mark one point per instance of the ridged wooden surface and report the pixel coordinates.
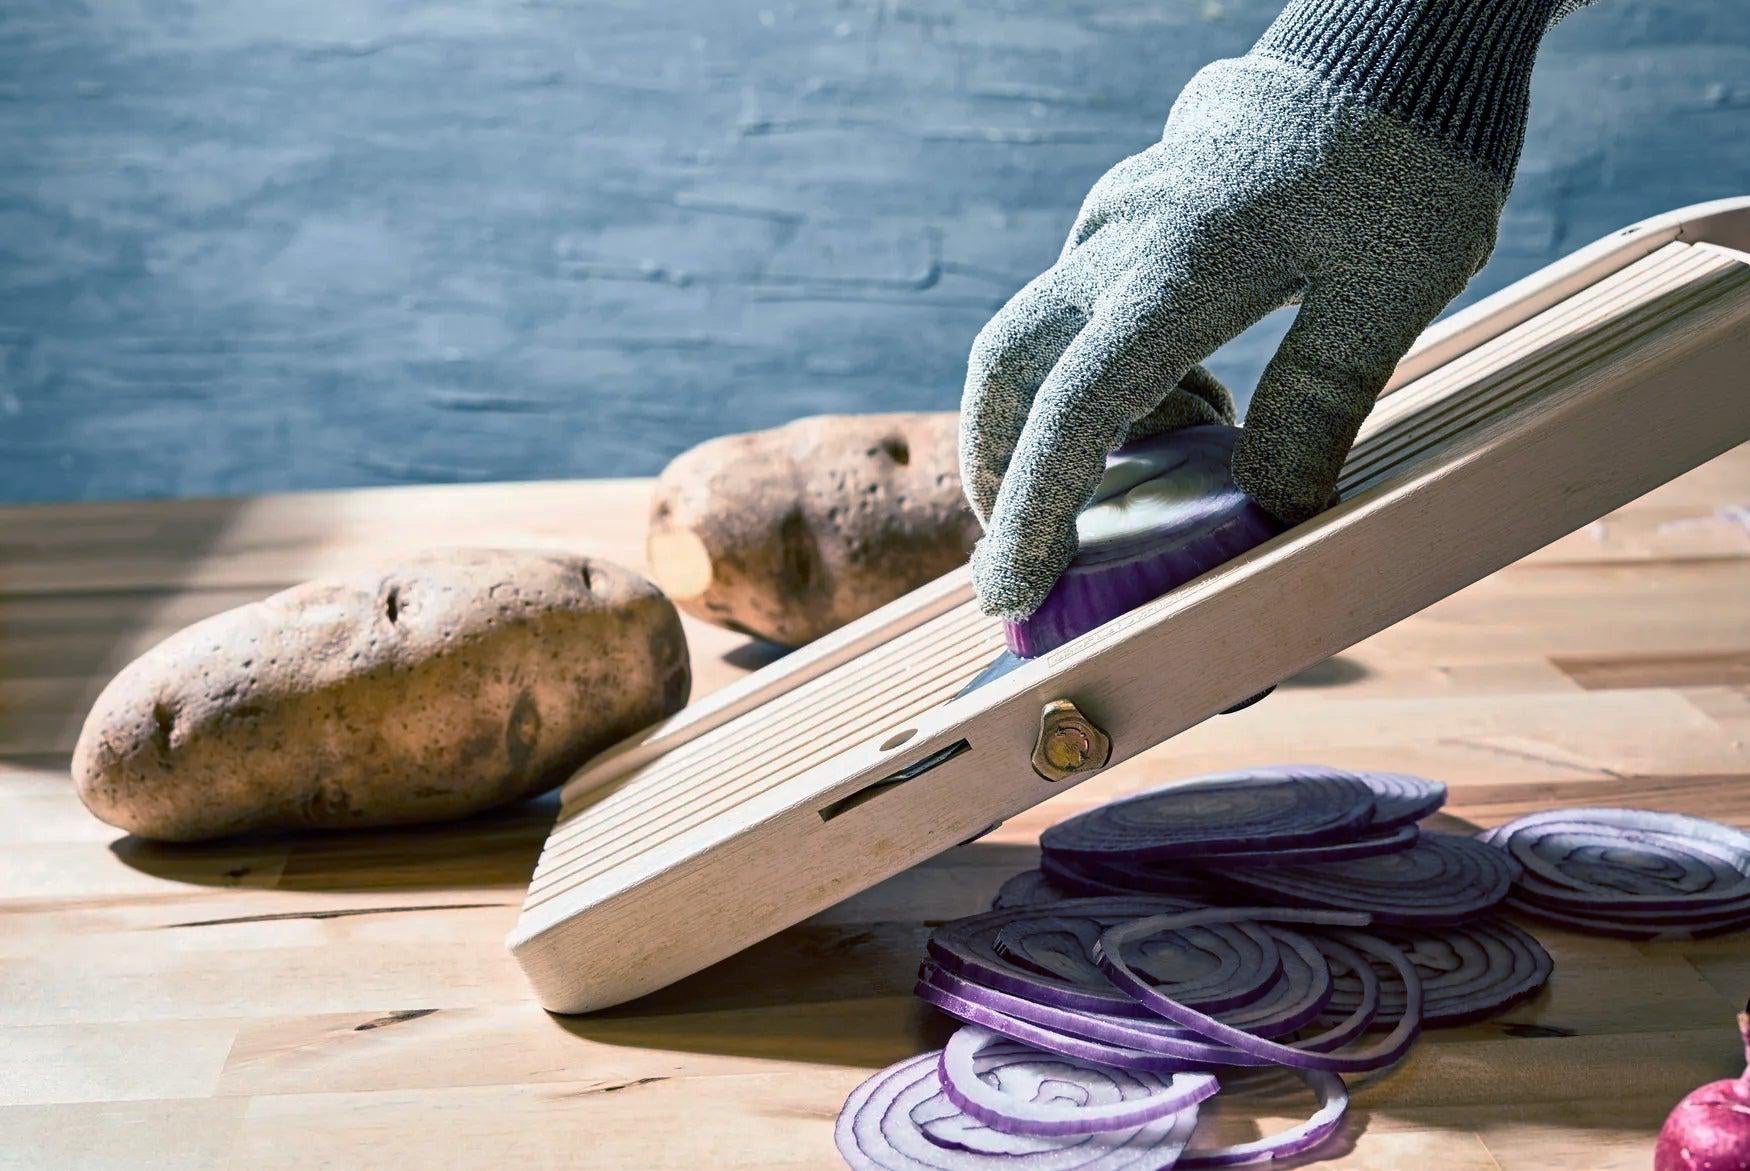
(346, 1000)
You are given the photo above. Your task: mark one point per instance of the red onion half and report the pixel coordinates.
(1710, 1129)
(1166, 512)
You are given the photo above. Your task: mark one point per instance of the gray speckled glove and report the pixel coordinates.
(1355, 161)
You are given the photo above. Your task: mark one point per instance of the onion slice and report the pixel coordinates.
(1144, 878)
(1004, 1091)
(1260, 809)
(1468, 970)
(1443, 879)
(1110, 956)
(1087, 878)
(1030, 888)
(1162, 1054)
(1400, 799)
(901, 1120)
(1166, 512)
(1131, 1043)
(1633, 873)
(1700, 927)
(1052, 964)
(1333, 1098)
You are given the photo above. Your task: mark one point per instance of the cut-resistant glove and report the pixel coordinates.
(1354, 161)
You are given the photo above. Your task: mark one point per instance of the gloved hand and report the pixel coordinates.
(1355, 161)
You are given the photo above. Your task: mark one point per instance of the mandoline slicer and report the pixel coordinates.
(1510, 424)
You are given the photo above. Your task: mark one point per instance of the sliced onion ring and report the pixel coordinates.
(1086, 877)
(1633, 873)
(1628, 859)
(1155, 1059)
(1109, 955)
(900, 1120)
(1469, 971)
(1155, 878)
(1444, 878)
(1333, 1098)
(1400, 799)
(1621, 927)
(1030, 888)
(964, 1081)
(969, 947)
(1259, 809)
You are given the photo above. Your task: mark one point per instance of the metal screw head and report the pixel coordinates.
(1068, 742)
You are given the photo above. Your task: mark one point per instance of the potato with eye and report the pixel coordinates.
(790, 533)
(426, 691)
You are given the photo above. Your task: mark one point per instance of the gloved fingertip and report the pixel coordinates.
(1008, 589)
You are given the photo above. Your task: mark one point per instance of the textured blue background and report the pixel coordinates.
(249, 245)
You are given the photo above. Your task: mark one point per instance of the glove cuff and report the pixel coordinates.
(1459, 70)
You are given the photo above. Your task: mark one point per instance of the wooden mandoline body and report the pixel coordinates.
(1509, 425)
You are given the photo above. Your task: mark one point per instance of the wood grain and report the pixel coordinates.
(347, 1000)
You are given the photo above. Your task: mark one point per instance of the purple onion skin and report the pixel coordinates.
(1710, 1129)
(1099, 586)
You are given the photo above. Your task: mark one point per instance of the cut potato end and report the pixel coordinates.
(680, 563)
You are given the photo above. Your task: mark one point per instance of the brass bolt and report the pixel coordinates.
(1068, 743)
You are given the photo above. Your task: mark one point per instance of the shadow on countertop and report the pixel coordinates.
(497, 848)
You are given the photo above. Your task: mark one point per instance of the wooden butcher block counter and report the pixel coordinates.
(346, 1000)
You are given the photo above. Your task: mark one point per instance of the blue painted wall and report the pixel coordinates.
(248, 246)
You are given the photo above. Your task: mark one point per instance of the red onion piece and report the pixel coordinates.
(968, 947)
(1162, 1055)
(1083, 877)
(1268, 808)
(1709, 1130)
(1629, 872)
(1333, 1098)
(1469, 971)
(1399, 799)
(1030, 888)
(1623, 927)
(1391, 1048)
(1298, 998)
(1130, 1039)
(1227, 966)
(1167, 512)
(1003, 1090)
(1045, 954)
(1146, 878)
(901, 1120)
(1444, 878)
